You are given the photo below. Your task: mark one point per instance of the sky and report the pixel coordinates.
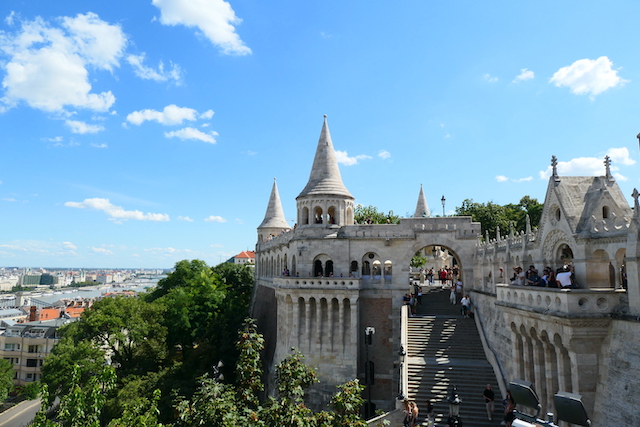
(139, 133)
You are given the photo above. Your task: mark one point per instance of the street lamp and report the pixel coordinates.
(402, 353)
(443, 200)
(454, 408)
(217, 375)
(369, 372)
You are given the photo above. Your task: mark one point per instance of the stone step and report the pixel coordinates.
(443, 350)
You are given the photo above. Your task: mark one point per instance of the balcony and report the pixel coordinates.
(565, 302)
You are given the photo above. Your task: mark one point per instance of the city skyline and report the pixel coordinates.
(137, 134)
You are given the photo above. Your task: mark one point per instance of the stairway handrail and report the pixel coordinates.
(492, 357)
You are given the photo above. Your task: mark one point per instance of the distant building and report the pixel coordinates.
(25, 346)
(244, 257)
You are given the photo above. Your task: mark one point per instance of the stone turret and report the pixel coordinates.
(325, 200)
(422, 208)
(274, 221)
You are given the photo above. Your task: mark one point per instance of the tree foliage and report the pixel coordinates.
(370, 215)
(492, 216)
(6, 378)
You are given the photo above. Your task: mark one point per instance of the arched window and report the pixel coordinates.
(366, 268)
(317, 219)
(388, 268)
(376, 268)
(294, 270)
(605, 212)
(317, 269)
(328, 269)
(331, 212)
(304, 220)
(349, 216)
(353, 270)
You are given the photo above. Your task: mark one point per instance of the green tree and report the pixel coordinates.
(492, 216)
(6, 378)
(418, 260)
(364, 214)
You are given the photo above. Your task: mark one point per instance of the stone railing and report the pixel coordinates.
(575, 302)
(341, 283)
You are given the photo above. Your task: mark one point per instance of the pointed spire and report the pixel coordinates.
(274, 218)
(498, 237)
(528, 224)
(422, 209)
(325, 176)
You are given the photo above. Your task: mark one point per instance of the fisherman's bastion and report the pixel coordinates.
(322, 282)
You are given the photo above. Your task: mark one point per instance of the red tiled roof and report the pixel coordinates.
(246, 254)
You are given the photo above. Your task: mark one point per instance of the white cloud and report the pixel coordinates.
(171, 115)
(116, 213)
(489, 78)
(343, 158)
(185, 218)
(69, 245)
(9, 19)
(102, 251)
(524, 75)
(82, 127)
(592, 166)
(588, 76)
(502, 178)
(48, 67)
(159, 75)
(215, 18)
(384, 154)
(54, 139)
(207, 114)
(9, 199)
(214, 218)
(99, 145)
(192, 133)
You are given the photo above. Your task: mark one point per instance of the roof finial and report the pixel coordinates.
(607, 167)
(554, 168)
(636, 207)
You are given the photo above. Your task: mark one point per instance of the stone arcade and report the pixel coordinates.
(319, 284)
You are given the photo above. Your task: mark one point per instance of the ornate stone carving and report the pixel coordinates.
(551, 241)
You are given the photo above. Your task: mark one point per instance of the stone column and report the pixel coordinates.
(295, 327)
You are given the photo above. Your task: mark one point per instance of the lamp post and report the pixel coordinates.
(402, 353)
(217, 375)
(369, 372)
(443, 200)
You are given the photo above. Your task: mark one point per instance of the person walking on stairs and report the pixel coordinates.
(489, 396)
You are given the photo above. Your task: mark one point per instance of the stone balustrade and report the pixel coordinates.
(333, 283)
(571, 302)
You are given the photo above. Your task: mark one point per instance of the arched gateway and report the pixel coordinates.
(343, 278)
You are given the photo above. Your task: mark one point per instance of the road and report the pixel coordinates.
(21, 414)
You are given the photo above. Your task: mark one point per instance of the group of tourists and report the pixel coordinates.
(563, 278)
(411, 414)
(413, 299)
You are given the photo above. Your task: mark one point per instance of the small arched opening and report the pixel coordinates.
(331, 215)
(317, 215)
(304, 219)
(328, 269)
(317, 269)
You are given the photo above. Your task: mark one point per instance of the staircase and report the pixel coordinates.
(444, 349)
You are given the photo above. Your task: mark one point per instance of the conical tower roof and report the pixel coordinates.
(422, 208)
(325, 176)
(275, 214)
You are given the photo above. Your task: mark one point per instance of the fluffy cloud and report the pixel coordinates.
(116, 213)
(343, 158)
(384, 154)
(214, 18)
(588, 76)
(102, 251)
(185, 218)
(171, 115)
(502, 178)
(69, 245)
(524, 76)
(592, 166)
(214, 218)
(48, 67)
(82, 127)
(159, 75)
(192, 133)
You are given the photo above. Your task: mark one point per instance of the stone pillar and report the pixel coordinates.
(551, 366)
(330, 329)
(295, 327)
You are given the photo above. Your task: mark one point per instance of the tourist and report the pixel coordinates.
(565, 278)
(459, 288)
(419, 294)
(410, 411)
(466, 306)
(452, 295)
(489, 396)
(431, 416)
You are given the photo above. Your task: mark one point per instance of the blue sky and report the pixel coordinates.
(138, 133)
